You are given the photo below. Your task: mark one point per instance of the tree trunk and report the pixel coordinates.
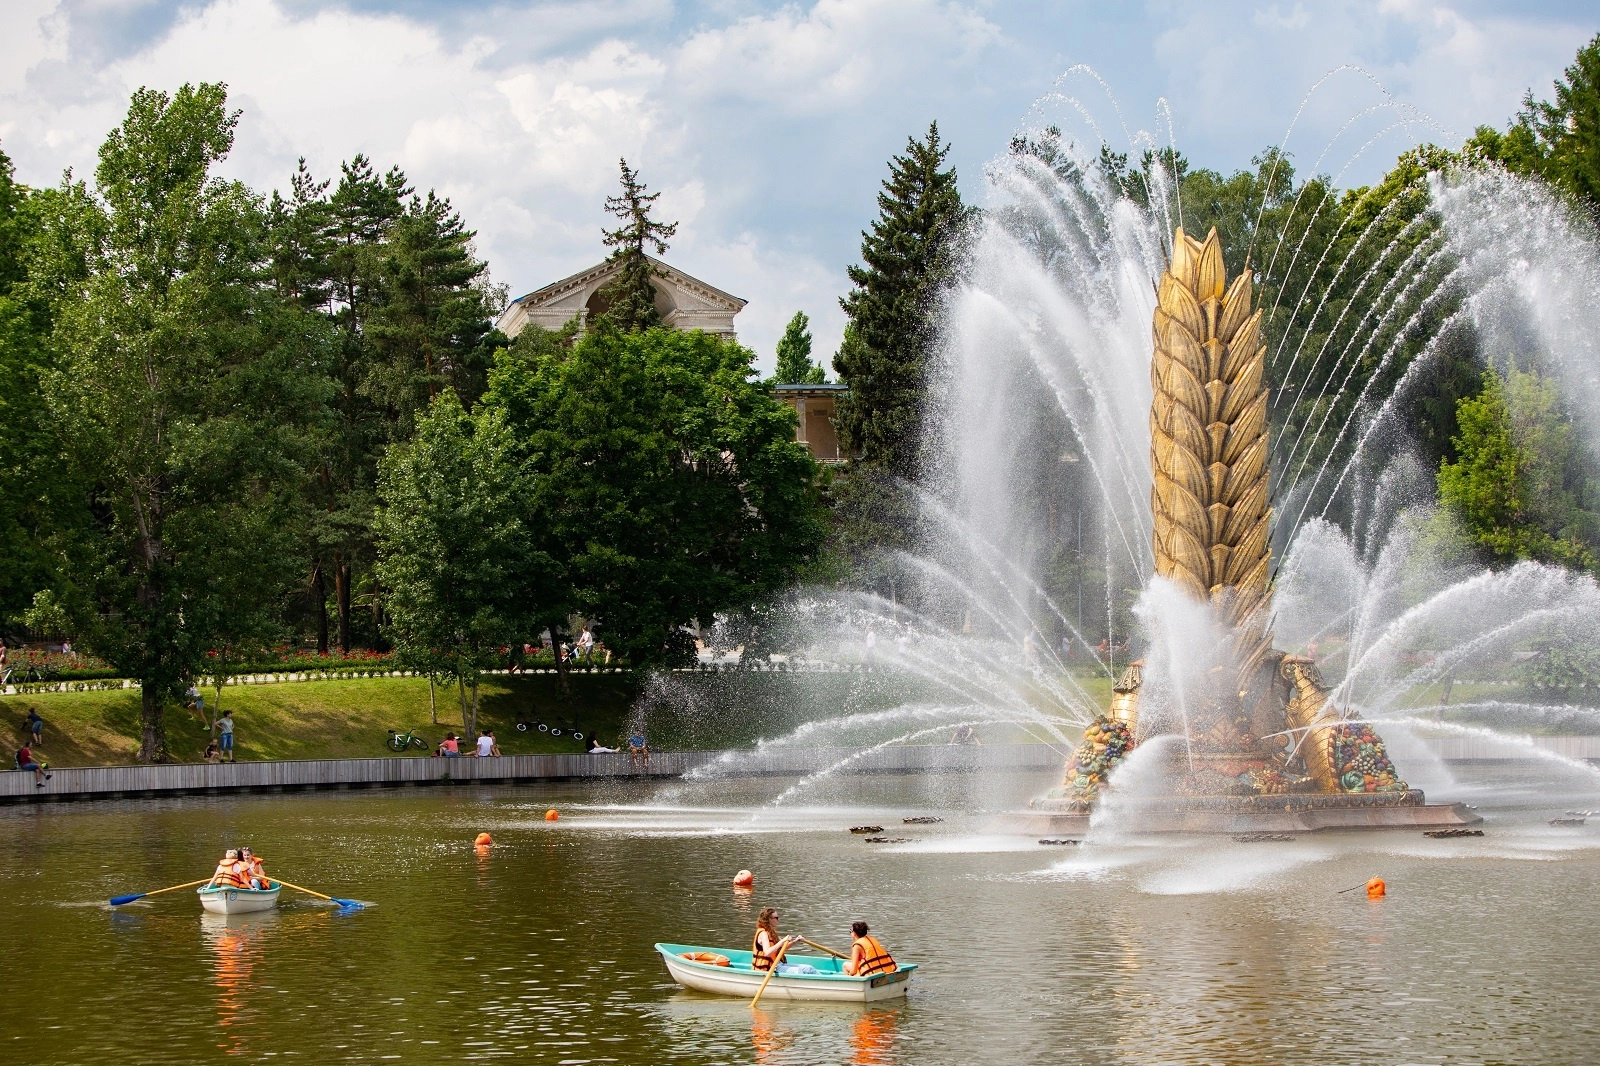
(319, 590)
(433, 705)
(153, 726)
(461, 692)
(341, 592)
(472, 726)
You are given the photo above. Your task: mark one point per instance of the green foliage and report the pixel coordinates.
(908, 256)
(26, 443)
(665, 482)
(629, 299)
(794, 355)
(1557, 140)
(1563, 665)
(179, 387)
(1506, 487)
(460, 565)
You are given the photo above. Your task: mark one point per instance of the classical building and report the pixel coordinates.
(814, 408)
(684, 302)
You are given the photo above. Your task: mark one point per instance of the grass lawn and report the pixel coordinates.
(323, 719)
(351, 719)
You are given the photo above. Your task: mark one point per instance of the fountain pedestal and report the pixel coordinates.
(1297, 813)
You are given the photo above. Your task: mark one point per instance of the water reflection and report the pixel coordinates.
(873, 1037)
(768, 1037)
(237, 943)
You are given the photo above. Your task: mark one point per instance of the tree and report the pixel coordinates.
(26, 444)
(1557, 140)
(180, 392)
(455, 554)
(794, 355)
(909, 254)
(629, 298)
(433, 328)
(1506, 485)
(666, 483)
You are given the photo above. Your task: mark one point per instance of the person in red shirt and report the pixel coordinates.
(450, 746)
(26, 761)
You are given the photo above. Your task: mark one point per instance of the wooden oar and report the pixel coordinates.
(772, 970)
(117, 901)
(319, 895)
(824, 947)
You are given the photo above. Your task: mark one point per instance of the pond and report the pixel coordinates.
(1184, 950)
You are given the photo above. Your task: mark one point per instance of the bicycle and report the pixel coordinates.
(402, 741)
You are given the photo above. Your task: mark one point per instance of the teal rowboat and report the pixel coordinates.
(739, 978)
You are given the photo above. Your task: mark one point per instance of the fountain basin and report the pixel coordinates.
(1303, 813)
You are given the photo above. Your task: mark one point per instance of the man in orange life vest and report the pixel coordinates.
(868, 958)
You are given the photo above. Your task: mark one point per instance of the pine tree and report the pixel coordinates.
(794, 355)
(909, 255)
(629, 298)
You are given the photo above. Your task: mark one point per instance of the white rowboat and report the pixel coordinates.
(224, 900)
(738, 978)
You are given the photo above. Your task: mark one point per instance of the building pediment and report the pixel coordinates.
(684, 302)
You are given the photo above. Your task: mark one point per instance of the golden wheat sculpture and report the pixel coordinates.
(1211, 531)
(1208, 442)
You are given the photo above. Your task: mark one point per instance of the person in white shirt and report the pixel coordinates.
(487, 745)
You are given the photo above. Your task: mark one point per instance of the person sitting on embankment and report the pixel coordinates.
(868, 958)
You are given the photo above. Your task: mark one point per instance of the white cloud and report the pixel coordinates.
(767, 130)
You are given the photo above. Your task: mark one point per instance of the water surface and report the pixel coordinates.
(1123, 951)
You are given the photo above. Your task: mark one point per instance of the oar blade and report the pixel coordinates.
(117, 901)
(348, 904)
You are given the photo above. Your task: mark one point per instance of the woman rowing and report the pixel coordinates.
(868, 958)
(253, 871)
(766, 948)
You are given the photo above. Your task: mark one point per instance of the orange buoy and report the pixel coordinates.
(483, 840)
(1376, 889)
(744, 879)
(551, 815)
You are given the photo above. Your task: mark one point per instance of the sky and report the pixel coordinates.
(767, 127)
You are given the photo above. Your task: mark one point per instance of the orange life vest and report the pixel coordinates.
(231, 875)
(874, 959)
(762, 959)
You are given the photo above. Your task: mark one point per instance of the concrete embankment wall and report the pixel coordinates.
(120, 782)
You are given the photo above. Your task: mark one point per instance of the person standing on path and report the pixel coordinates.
(35, 726)
(225, 735)
(586, 646)
(487, 747)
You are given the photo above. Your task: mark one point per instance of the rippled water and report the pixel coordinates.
(1181, 951)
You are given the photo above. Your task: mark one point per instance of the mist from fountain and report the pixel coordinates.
(1040, 424)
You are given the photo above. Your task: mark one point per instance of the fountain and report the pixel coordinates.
(1264, 746)
(1298, 628)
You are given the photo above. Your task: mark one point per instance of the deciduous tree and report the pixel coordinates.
(179, 389)
(794, 355)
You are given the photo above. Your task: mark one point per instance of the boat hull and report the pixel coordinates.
(739, 979)
(239, 900)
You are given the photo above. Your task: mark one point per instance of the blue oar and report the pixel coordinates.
(117, 901)
(319, 895)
